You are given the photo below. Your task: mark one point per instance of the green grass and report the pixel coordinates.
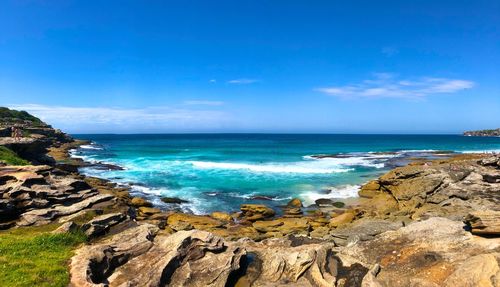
(10, 157)
(31, 256)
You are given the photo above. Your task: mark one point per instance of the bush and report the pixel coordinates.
(10, 157)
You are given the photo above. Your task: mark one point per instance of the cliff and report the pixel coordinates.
(483, 133)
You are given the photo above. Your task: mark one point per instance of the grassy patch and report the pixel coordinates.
(31, 256)
(10, 157)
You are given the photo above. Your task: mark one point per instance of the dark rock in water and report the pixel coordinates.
(174, 200)
(105, 166)
(323, 201)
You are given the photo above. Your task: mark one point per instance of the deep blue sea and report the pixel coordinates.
(221, 171)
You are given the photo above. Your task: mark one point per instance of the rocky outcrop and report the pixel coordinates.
(449, 188)
(483, 133)
(486, 222)
(434, 252)
(34, 195)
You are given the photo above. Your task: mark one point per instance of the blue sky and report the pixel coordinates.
(253, 66)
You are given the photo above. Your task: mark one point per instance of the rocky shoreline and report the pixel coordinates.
(430, 223)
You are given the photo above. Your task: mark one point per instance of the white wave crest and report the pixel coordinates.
(293, 167)
(482, 151)
(349, 161)
(91, 146)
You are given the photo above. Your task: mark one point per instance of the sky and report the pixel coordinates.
(253, 66)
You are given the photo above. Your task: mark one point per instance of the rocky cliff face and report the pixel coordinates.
(483, 133)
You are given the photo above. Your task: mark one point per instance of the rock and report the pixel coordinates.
(222, 216)
(479, 270)
(294, 203)
(185, 258)
(43, 216)
(362, 230)
(323, 202)
(489, 161)
(67, 227)
(147, 211)
(342, 219)
(253, 212)
(101, 224)
(283, 262)
(174, 200)
(92, 264)
(139, 202)
(181, 221)
(370, 189)
(284, 226)
(484, 222)
(433, 252)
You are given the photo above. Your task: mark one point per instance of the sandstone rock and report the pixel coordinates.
(294, 203)
(93, 264)
(101, 224)
(181, 221)
(185, 258)
(66, 227)
(284, 226)
(280, 262)
(43, 216)
(484, 222)
(147, 211)
(139, 202)
(479, 270)
(253, 212)
(427, 253)
(223, 216)
(342, 219)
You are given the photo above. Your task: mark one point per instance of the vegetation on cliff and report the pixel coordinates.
(9, 157)
(483, 133)
(8, 117)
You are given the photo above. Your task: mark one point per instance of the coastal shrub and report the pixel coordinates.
(10, 157)
(31, 256)
(12, 116)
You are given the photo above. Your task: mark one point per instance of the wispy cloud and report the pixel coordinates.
(385, 85)
(203, 103)
(242, 81)
(128, 119)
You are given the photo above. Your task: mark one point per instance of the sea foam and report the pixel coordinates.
(292, 167)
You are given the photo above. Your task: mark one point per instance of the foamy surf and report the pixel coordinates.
(293, 167)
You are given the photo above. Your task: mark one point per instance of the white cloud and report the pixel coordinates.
(242, 81)
(385, 85)
(213, 81)
(203, 103)
(107, 119)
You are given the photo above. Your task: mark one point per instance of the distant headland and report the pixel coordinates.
(483, 133)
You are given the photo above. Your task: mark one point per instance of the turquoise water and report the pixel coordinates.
(222, 171)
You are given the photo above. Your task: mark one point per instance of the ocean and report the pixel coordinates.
(218, 172)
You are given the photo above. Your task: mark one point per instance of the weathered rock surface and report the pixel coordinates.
(101, 224)
(434, 252)
(449, 188)
(485, 222)
(34, 195)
